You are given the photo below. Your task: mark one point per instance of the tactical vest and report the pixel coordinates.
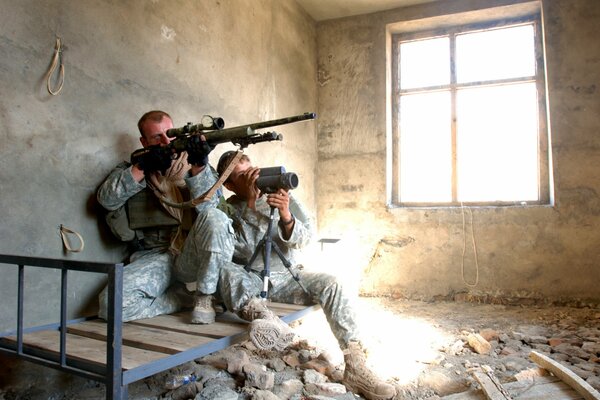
(143, 211)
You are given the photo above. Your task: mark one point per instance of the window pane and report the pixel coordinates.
(497, 143)
(425, 63)
(425, 148)
(496, 54)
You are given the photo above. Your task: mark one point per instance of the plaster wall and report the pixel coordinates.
(521, 252)
(246, 61)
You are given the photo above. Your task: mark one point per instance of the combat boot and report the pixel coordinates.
(359, 379)
(203, 312)
(267, 330)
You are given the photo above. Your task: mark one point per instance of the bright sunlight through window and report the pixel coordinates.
(469, 108)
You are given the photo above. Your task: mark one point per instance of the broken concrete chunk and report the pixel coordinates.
(478, 343)
(257, 376)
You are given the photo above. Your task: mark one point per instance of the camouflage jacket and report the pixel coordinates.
(120, 186)
(251, 226)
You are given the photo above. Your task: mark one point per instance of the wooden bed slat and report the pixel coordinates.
(141, 337)
(86, 349)
(179, 323)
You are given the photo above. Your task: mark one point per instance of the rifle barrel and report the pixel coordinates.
(248, 129)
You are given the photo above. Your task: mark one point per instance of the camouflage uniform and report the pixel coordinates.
(236, 286)
(149, 277)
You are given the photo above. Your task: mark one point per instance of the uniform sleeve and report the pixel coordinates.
(118, 187)
(303, 230)
(200, 184)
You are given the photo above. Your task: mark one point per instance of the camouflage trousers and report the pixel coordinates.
(236, 287)
(148, 280)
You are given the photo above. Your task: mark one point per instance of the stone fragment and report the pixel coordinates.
(318, 365)
(236, 361)
(489, 334)
(442, 384)
(508, 351)
(581, 373)
(537, 339)
(217, 392)
(559, 356)
(456, 348)
(292, 359)
(257, 376)
(184, 392)
(289, 388)
(221, 381)
(594, 382)
(264, 395)
(276, 364)
(572, 351)
(312, 376)
(325, 389)
(555, 341)
(543, 348)
(530, 374)
(478, 343)
(591, 347)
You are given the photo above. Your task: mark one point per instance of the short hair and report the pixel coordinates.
(226, 158)
(155, 116)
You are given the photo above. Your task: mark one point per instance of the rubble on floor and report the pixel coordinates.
(427, 350)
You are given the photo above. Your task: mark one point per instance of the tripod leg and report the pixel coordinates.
(260, 244)
(288, 266)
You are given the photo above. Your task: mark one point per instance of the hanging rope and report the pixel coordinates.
(61, 72)
(465, 248)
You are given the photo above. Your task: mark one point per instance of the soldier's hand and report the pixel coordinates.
(198, 150)
(152, 159)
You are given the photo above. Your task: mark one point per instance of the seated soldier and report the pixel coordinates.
(131, 195)
(250, 212)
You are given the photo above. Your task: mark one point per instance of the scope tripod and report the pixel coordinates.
(268, 244)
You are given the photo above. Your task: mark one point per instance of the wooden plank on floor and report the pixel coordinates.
(180, 323)
(542, 388)
(491, 387)
(147, 338)
(471, 394)
(86, 349)
(566, 375)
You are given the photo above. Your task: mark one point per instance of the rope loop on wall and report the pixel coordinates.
(465, 247)
(64, 231)
(58, 49)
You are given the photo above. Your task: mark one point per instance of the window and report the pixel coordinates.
(469, 116)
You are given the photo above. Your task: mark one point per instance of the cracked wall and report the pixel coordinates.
(540, 252)
(244, 61)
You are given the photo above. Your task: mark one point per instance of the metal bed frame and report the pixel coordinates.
(112, 373)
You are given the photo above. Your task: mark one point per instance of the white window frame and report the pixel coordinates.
(545, 196)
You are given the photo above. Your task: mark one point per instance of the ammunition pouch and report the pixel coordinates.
(118, 223)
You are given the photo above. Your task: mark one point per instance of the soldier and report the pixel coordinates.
(169, 246)
(250, 212)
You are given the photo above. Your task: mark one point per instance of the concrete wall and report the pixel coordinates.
(245, 61)
(522, 252)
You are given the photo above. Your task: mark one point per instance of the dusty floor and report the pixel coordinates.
(420, 347)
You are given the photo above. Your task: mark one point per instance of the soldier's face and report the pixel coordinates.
(242, 178)
(155, 133)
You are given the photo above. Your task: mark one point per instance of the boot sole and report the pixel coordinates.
(269, 334)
